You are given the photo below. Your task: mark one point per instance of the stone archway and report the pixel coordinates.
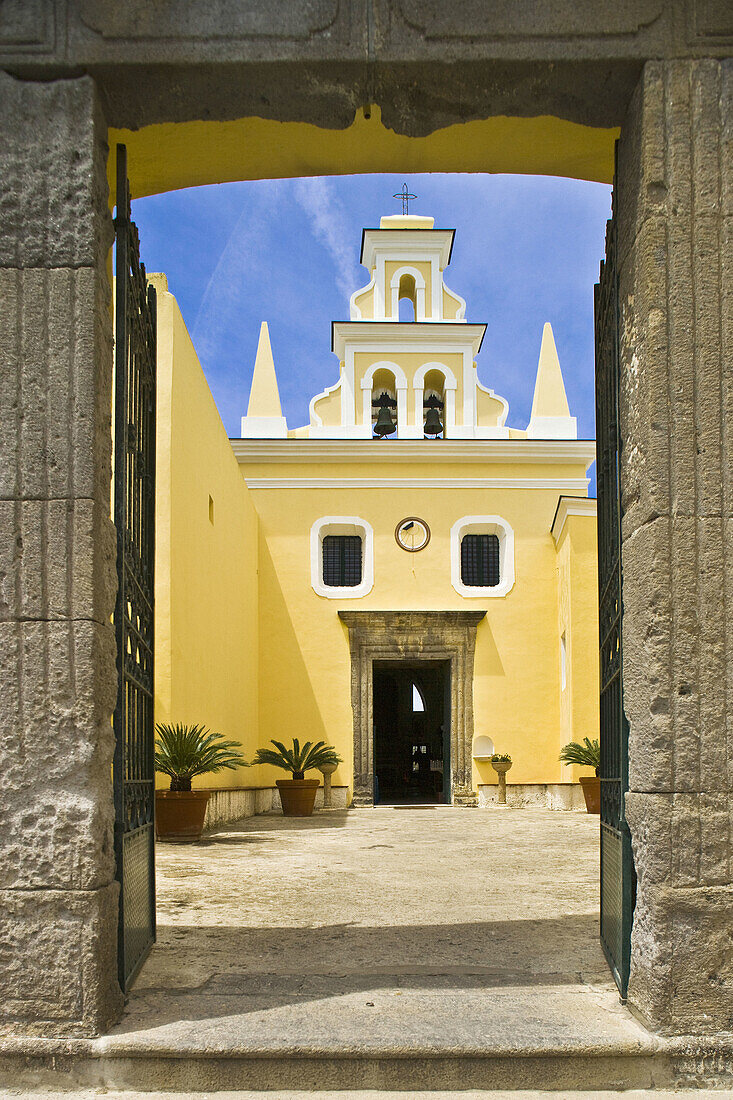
(419, 636)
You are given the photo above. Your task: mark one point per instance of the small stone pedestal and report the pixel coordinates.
(327, 771)
(501, 767)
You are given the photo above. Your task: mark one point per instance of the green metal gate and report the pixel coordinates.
(134, 517)
(618, 879)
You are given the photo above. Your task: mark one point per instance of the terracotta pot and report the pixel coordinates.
(179, 815)
(298, 796)
(591, 785)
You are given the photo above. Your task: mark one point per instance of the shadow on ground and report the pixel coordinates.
(254, 969)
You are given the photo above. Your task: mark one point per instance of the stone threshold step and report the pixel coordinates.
(110, 1063)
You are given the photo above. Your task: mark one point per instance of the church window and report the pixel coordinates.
(342, 561)
(480, 561)
(342, 557)
(482, 556)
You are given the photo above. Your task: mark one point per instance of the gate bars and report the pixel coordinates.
(134, 517)
(618, 879)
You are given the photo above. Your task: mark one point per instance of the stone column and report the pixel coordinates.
(676, 278)
(58, 895)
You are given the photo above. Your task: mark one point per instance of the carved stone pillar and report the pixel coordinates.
(414, 636)
(676, 270)
(58, 895)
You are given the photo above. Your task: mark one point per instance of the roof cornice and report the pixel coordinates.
(571, 506)
(397, 451)
(405, 332)
(406, 240)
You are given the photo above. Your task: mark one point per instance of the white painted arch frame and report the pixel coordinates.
(450, 385)
(483, 525)
(342, 525)
(400, 379)
(394, 287)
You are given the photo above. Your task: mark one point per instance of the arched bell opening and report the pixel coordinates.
(407, 298)
(433, 410)
(384, 404)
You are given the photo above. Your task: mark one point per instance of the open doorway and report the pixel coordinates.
(411, 732)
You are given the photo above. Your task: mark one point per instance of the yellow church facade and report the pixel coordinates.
(404, 577)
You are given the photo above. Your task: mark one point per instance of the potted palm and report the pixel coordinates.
(183, 752)
(588, 754)
(298, 794)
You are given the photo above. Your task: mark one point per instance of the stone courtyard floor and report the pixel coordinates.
(383, 931)
(357, 920)
(426, 951)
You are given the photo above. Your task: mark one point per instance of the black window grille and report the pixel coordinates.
(342, 561)
(480, 561)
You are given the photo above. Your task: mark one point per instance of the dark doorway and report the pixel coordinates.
(411, 731)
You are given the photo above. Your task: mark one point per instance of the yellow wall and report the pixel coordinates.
(304, 651)
(577, 553)
(245, 645)
(206, 573)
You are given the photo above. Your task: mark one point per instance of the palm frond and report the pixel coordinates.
(183, 751)
(587, 753)
(297, 758)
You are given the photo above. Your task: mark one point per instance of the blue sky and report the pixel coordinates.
(526, 251)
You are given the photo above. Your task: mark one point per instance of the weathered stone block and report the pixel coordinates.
(59, 687)
(57, 560)
(58, 960)
(677, 693)
(681, 960)
(55, 384)
(53, 203)
(681, 840)
(57, 838)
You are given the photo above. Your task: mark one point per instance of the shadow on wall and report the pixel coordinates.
(288, 705)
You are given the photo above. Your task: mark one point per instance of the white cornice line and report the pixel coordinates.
(557, 485)
(415, 335)
(395, 452)
(571, 506)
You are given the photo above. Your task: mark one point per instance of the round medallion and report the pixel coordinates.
(412, 534)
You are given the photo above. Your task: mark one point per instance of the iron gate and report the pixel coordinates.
(618, 880)
(134, 517)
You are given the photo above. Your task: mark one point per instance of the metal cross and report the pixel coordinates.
(406, 197)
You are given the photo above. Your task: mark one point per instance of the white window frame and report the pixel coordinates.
(483, 525)
(342, 525)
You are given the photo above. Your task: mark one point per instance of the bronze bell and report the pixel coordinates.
(384, 425)
(433, 425)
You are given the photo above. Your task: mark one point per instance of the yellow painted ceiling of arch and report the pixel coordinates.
(169, 156)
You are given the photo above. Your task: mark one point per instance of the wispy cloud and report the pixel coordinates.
(318, 199)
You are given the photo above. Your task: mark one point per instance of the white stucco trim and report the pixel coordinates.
(461, 315)
(354, 309)
(552, 427)
(483, 525)
(342, 525)
(264, 427)
(557, 485)
(394, 287)
(315, 419)
(539, 451)
(571, 506)
(496, 397)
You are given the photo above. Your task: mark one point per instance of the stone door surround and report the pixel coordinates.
(414, 636)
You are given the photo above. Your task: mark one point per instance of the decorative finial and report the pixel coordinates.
(406, 197)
